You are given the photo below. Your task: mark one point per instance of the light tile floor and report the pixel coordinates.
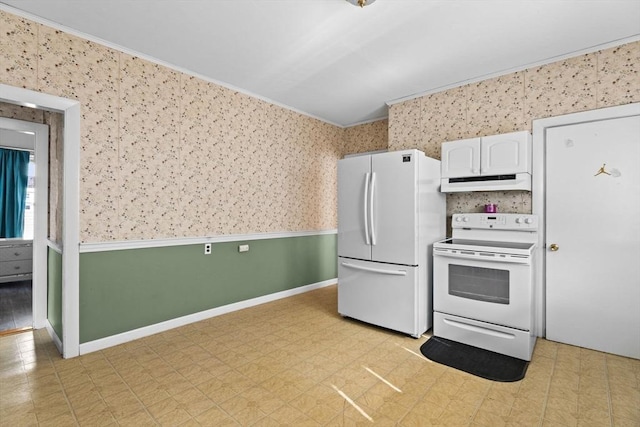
(297, 362)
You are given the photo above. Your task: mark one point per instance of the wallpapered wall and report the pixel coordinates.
(510, 103)
(367, 137)
(165, 154)
(55, 121)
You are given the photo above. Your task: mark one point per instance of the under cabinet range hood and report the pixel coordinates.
(515, 181)
(488, 163)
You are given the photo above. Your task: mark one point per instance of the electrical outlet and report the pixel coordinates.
(207, 248)
(243, 248)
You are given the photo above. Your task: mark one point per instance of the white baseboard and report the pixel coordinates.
(113, 340)
(54, 336)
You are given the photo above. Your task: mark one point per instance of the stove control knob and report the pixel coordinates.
(528, 220)
(518, 220)
(458, 219)
(465, 219)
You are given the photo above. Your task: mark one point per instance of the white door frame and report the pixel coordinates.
(70, 205)
(41, 154)
(538, 185)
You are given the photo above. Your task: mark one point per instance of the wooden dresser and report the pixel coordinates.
(16, 261)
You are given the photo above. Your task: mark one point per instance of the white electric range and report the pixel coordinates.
(483, 283)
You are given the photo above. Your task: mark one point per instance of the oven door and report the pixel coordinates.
(490, 291)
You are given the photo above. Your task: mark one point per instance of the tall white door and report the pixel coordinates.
(593, 235)
(353, 193)
(394, 221)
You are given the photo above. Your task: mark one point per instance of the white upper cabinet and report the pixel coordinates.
(490, 163)
(508, 153)
(460, 158)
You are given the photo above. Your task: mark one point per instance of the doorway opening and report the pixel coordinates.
(68, 339)
(23, 222)
(17, 221)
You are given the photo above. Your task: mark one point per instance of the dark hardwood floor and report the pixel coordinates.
(15, 305)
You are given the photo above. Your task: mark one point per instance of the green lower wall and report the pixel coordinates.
(54, 290)
(127, 289)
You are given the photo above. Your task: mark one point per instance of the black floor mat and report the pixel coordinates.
(477, 361)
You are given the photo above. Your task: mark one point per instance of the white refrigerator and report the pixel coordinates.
(390, 212)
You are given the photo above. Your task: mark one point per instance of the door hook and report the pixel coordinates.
(602, 171)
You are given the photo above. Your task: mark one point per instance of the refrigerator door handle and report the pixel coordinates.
(375, 270)
(364, 208)
(373, 228)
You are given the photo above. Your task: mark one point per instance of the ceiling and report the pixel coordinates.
(338, 62)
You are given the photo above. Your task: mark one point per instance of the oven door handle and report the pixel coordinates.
(376, 270)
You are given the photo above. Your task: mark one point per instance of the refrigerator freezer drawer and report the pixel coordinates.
(499, 339)
(385, 295)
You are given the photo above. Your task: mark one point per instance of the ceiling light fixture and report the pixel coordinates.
(361, 3)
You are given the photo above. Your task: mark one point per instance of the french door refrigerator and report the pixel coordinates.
(390, 212)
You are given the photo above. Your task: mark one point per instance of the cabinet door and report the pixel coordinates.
(461, 158)
(506, 154)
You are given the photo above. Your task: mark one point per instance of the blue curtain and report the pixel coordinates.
(14, 168)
